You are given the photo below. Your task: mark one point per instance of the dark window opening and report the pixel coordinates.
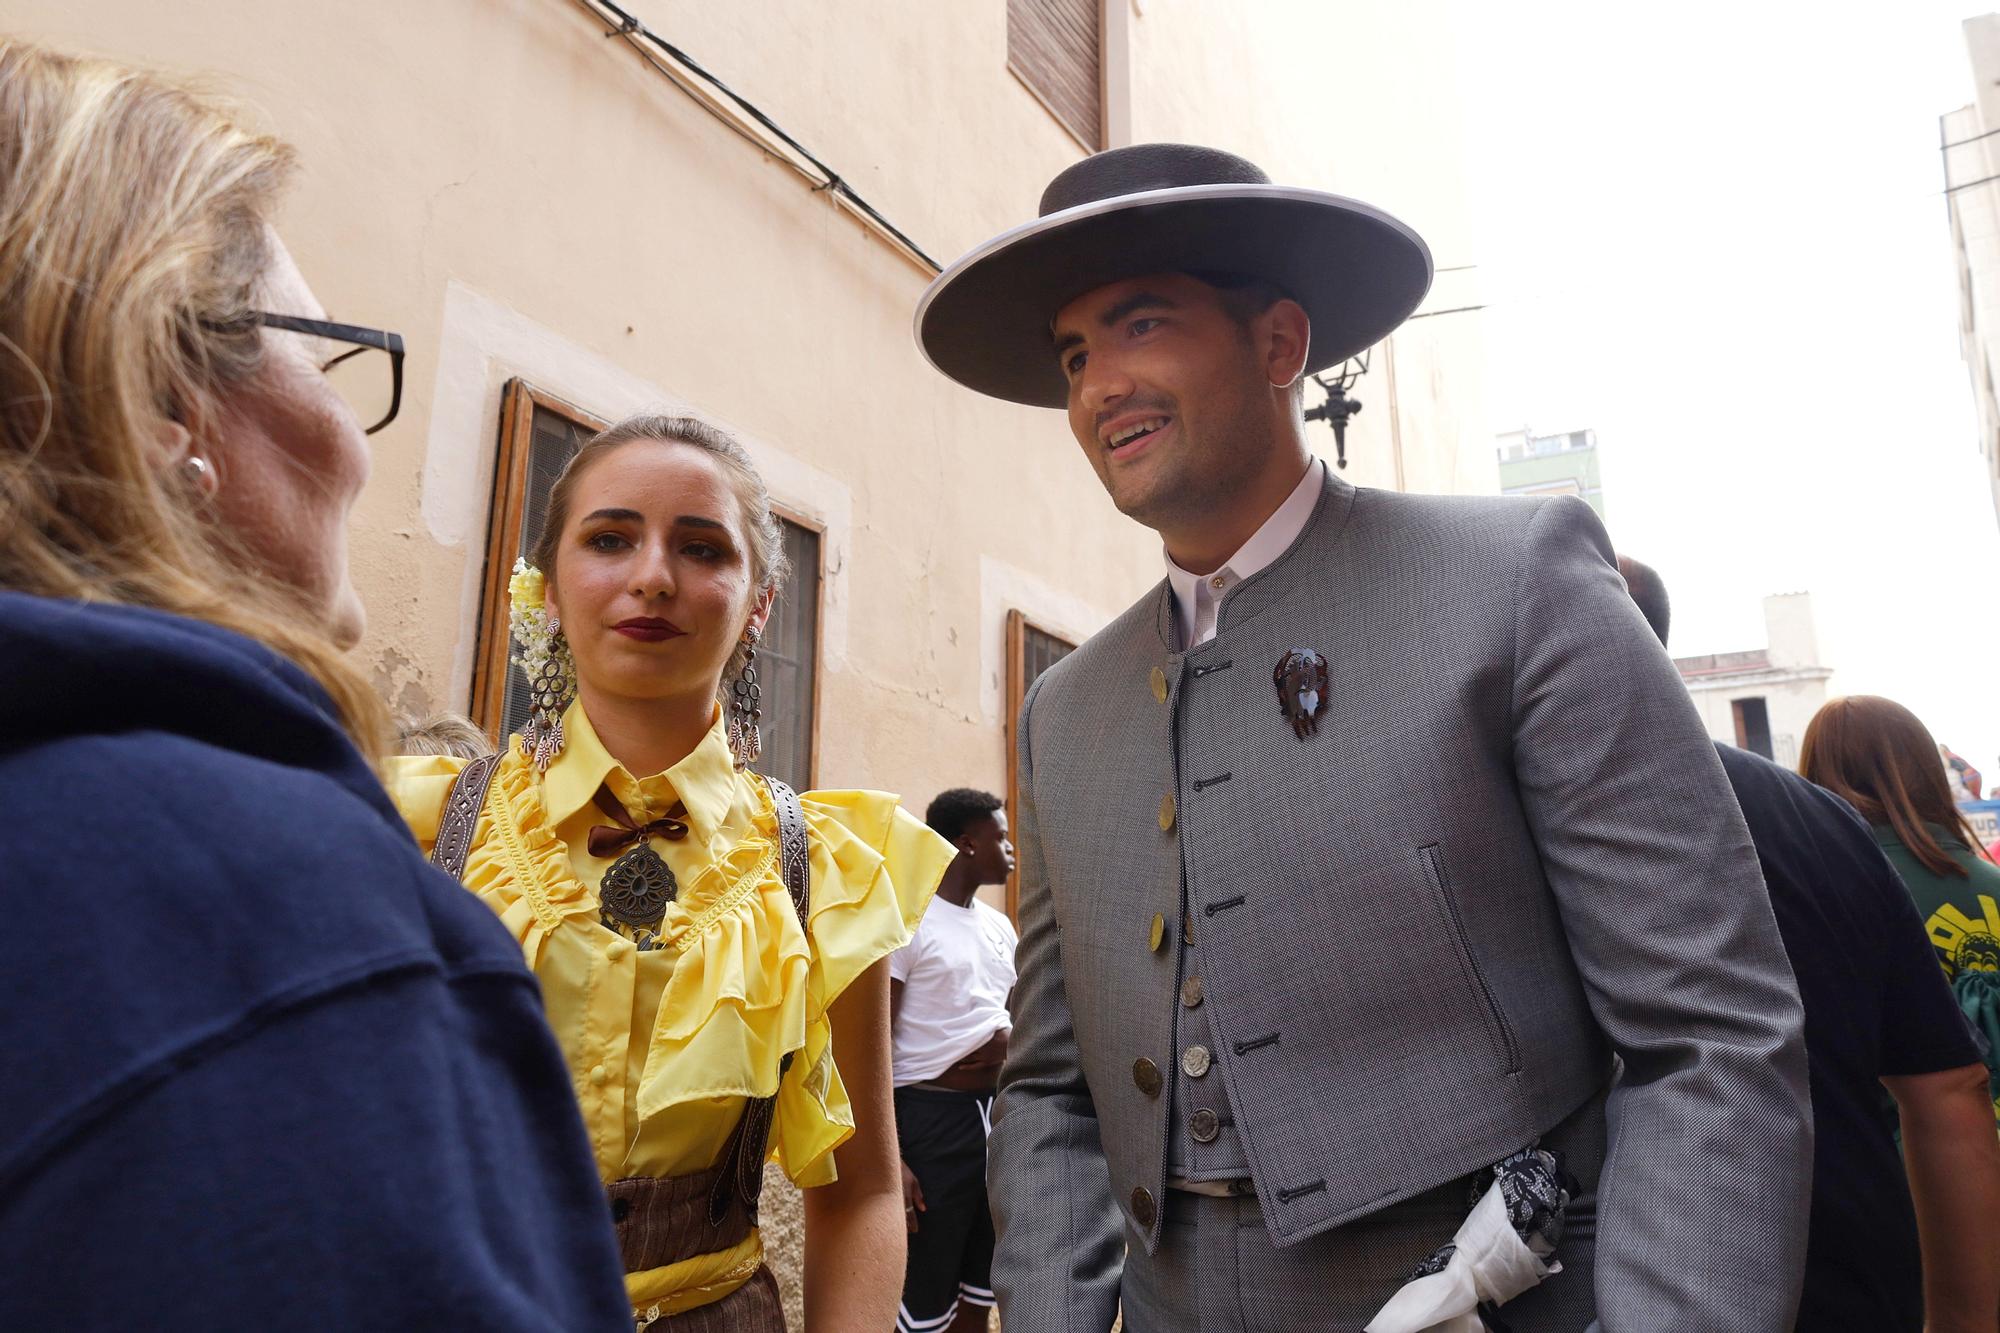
(1753, 726)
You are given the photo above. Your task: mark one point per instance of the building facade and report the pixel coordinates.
(1969, 141)
(1761, 699)
(569, 225)
(1563, 463)
(570, 221)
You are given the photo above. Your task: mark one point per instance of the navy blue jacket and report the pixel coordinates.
(262, 1066)
(1875, 1004)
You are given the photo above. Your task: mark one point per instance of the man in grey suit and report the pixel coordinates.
(1353, 853)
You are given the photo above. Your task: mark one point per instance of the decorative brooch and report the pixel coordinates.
(1301, 679)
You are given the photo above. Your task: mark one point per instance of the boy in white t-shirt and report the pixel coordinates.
(948, 993)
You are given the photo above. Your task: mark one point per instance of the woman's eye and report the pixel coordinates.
(702, 551)
(604, 541)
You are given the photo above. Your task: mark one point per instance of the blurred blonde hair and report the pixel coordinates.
(133, 244)
(452, 735)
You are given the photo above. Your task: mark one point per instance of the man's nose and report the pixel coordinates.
(1101, 385)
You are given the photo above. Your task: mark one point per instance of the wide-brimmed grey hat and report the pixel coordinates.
(1157, 208)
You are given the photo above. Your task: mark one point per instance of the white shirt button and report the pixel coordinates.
(599, 1076)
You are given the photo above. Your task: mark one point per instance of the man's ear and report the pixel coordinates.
(1287, 342)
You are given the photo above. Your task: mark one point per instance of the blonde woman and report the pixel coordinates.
(712, 948)
(262, 1065)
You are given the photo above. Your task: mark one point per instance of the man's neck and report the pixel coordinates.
(1208, 540)
(958, 886)
(648, 736)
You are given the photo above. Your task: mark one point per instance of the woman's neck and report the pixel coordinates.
(648, 736)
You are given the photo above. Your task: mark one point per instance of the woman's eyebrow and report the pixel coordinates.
(615, 515)
(699, 521)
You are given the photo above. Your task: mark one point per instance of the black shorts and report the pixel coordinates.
(942, 1136)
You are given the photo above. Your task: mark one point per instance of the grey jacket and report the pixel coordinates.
(1508, 852)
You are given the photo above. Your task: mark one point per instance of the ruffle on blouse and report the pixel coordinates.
(748, 985)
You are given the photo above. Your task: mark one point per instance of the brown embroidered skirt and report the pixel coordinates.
(666, 1220)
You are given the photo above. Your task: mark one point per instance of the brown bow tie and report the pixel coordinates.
(606, 841)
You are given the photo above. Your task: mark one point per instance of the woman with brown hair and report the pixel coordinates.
(1877, 756)
(262, 1064)
(712, 947)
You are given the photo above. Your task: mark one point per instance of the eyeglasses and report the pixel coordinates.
(369, 375)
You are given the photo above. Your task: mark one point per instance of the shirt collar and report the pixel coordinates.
(705, 781)
(1266, 544)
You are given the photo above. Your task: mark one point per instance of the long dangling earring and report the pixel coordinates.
(746, 717)
(550, 692)
(545, 661)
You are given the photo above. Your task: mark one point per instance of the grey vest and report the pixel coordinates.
(1372, 1030)
(1202, 1142)
(1509, 803)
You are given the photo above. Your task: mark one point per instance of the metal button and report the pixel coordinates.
(1195, 1061)
(1147, 1075)
(1204, 1125)
(1191, 993)
(1167, 812)
(1157, 936)
(1217, 582)
(1143, 1209)
(1159, 685)
(599, 1075)
(1187, 926)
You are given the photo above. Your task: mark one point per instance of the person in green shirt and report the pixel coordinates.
(1879, 757)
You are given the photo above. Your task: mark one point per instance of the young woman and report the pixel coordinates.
(263, 1066)
(715, 1008)
(1881, 759)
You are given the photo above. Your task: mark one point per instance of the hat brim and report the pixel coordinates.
(1357, 271)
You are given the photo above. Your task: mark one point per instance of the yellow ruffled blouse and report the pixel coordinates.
(666, 1045)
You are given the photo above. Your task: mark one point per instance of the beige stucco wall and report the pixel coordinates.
(1790, 700)
(518, 195)
(1975, 230)
(1793, 688)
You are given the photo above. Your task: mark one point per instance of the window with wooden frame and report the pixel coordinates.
(1056, 49)
(788, 659)
(539, 433)
(1031, 650)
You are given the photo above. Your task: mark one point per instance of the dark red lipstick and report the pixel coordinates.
(649, 629)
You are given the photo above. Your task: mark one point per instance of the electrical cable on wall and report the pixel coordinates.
(638, 35)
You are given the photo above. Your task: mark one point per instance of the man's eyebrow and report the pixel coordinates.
(1131, 305)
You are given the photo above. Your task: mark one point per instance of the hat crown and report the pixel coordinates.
(1143, 167)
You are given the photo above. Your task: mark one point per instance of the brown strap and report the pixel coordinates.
(750, 1143)
(461, 815)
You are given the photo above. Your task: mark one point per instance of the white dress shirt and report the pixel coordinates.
(1196, 596)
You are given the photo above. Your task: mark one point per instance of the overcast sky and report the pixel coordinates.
(1714, 233)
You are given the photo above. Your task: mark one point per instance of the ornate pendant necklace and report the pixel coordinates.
(635, 891)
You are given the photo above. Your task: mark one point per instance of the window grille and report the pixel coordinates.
(1055, 47)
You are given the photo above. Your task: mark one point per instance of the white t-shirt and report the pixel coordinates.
(956, 972)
